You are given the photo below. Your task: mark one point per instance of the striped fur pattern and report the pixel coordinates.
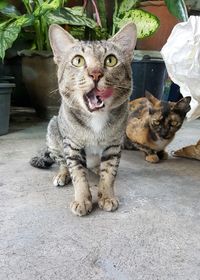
(152, 125)
(95, 83)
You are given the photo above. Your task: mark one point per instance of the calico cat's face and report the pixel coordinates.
(165, 118)
(94, 76)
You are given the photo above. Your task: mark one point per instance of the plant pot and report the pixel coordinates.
(149, 74)
(167, 22)
(5, 93)
(13, 66)
(40, 79)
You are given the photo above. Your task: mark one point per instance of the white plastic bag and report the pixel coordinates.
(181, 54)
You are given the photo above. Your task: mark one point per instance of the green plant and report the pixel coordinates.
(129, 10)
(124, 12)
(35, 21)
(39, 14)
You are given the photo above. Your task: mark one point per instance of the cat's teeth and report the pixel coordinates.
(97, 105)
(94, 101)
(100, 104)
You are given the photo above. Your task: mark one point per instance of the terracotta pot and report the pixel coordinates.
(167, 22)
(39, 76)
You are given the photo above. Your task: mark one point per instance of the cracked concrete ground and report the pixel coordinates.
(155, 234)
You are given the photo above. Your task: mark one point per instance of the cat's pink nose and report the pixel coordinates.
(95, 75)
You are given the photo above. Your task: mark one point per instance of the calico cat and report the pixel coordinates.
(152, 124)
(95, 82)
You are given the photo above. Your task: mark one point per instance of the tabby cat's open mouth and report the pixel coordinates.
(95, 99)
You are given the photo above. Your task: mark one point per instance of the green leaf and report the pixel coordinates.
(177, 8)
(3, 4)
(67, 16)
(102, 12)
(146, 23)
(78, 10)
(43, 8)
(8, 34)
(10, 30)
(126, 5)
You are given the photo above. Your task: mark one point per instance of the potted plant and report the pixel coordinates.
(32, 23)
(88, 21)
(169, 14)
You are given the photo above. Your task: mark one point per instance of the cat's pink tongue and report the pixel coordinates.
(104, 93)
(96, 98)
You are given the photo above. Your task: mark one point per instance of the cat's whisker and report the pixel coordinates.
(123, 87)
(53, 92)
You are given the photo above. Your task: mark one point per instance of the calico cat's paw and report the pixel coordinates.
(108, 204)
(152, 158)
(81, 208)
(61, 179)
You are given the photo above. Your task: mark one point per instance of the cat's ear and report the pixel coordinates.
(183, 104)
(151, 98)
(126, 38)
(60, 41)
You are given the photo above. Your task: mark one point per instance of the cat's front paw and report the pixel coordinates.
(61, 180)
(108, 204)
(81, 208)
(152, 158)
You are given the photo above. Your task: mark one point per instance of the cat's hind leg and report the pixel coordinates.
(55, 148)
(42, 160)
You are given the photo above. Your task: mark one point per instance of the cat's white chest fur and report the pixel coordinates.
(93, 155)
(98, 121)
(94, 151)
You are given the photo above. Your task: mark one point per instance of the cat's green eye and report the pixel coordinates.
(156, 122)
(174, 123)
(78, 61)
(110, 60)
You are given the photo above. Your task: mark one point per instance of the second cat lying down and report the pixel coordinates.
(152, 124)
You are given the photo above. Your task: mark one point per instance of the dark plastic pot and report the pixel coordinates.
(5, 93)
(149, 74)
(40, 79)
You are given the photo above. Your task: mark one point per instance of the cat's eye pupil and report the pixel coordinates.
(78, 61)
(110, 61)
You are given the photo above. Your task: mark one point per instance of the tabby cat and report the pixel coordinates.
(95, 83)
(152, 124)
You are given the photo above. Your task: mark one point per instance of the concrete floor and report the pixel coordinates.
(154, 235)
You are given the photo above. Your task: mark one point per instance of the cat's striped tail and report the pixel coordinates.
(43, 160)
